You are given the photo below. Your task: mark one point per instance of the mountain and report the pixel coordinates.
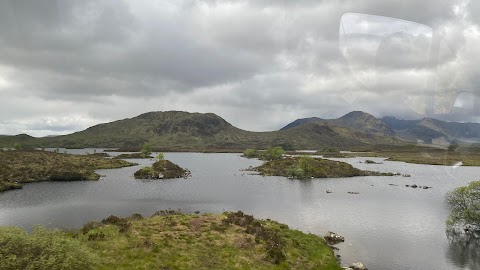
(301, 121)
(364, 123)
(196, 131)
(434, 131)
(356, 121)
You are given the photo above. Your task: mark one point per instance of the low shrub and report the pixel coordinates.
(43, 250)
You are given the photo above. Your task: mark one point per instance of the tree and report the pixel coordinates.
(306, 164)
(464, 204)
(146, 150)
(160, 156)
(274, 153)
(17, 146)
(250, 153)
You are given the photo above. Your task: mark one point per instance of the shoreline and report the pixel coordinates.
(203, 241)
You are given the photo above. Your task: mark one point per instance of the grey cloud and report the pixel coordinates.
(474, 11)
(238, 58)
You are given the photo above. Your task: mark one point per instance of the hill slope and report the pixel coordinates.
(363, 122)
(196, 131)
(301, 121)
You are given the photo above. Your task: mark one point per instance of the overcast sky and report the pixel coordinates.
(68, 65)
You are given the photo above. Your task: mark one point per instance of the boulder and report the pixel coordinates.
(333, 238)
(358, 266)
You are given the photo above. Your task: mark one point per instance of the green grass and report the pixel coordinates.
(43, 250)
(19, 167)
(181, 241)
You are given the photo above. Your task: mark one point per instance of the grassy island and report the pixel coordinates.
(133, 155)
(101, 154)
(170, 240)
(467, 156)
(162, 169)
(19, 167)
(307, 167)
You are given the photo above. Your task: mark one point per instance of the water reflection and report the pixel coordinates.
(463, 251)
(306, 189)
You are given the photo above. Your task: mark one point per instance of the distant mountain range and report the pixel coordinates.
(197, 131)
(426, 130)
(433, 131)
(356, 121)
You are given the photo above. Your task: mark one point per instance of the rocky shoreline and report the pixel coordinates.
(332, 239)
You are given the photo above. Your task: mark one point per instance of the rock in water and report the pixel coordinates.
(333, 238)
(358, 266)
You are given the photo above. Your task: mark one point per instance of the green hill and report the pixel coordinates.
(175, 130)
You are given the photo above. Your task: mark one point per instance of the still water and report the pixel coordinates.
(385, 226)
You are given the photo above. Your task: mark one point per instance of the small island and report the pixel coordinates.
(26, 166)
(171, 240)
(309, 167)
(162, 169)
(144, 153)
(132, 156)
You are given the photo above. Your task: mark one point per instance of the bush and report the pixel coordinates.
(250, 153)
(90, 226)
(122, 223)
(274, 243)
(146, 150)
(17, 146)
(464, 204)
(273, 153)
(306, 163)
(42, 250)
